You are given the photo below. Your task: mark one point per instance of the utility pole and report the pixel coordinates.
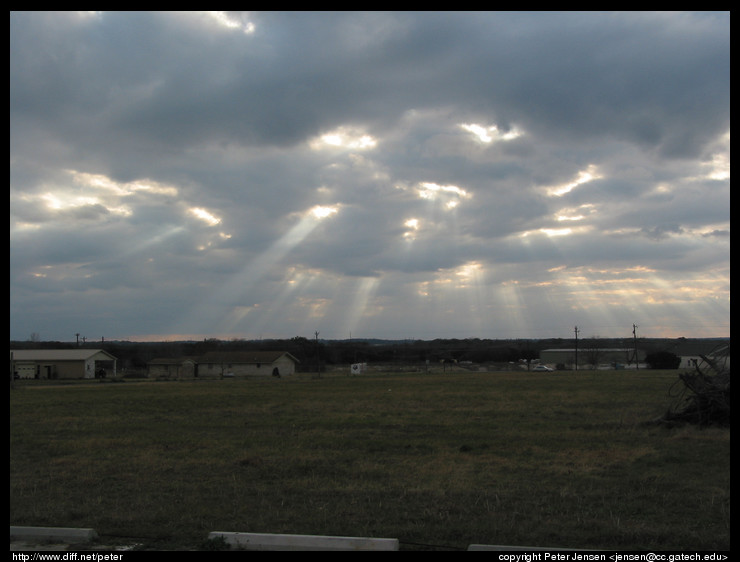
(318, 365)
(634, 336)
(576, 330)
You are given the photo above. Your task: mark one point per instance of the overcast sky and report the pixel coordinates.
(393, 175)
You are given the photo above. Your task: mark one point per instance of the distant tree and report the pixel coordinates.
(663, 360)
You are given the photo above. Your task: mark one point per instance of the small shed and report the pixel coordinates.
(62, 363)
(247, 363)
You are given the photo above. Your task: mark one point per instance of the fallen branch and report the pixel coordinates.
(705, 398)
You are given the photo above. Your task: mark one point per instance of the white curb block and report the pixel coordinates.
(267, 541)
(53, 534)
(498, 547)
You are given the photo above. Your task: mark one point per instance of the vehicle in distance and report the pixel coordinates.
(542, 368)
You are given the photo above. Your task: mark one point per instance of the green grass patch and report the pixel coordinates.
(539, 459)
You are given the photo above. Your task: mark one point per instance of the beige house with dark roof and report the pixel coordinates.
(62, 363)
(247, 363)
(217, 364)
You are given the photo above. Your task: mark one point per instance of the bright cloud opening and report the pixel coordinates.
(576, 213)
(584, 176)
(103, 182)
(719, 166)
(206, 216)
(468, 274)
(488, 134)
(64, 200)
(321, 212)
(451, 194)
(556, 231)
(344, 137)
(413, 225)
(229, 21)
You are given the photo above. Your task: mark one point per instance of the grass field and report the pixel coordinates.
(435, 460)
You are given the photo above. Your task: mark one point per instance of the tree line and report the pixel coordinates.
(313, 352)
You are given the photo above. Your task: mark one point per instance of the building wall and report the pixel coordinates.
(76, 369)
(586, 356)
(51, 369)
(26, 370)
(566, 357)
(184, 370)
(62, 364)
(158, 371)
(690, 362)
(284, 366)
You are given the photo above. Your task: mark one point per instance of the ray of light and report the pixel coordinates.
(363, 294)
(217, 304)
(261, 315)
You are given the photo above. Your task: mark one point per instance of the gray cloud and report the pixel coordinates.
(273, 173)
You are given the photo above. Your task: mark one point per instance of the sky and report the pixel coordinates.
(422, 175)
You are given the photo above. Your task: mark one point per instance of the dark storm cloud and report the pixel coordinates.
(650, 78)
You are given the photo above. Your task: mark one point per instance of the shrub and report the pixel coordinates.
(663, 360)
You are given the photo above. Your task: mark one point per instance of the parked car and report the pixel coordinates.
(542, 368)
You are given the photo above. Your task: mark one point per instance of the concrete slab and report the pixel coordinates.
(269, 541)
(34, 547)
(67, 535)
(498, 547)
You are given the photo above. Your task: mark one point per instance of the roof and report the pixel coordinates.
(249, 357)
(172, 360)
(56, 354)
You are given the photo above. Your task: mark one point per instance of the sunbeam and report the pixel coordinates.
(363, 294)
(217, 304)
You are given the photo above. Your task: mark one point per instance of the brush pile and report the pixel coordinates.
(704, 398)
